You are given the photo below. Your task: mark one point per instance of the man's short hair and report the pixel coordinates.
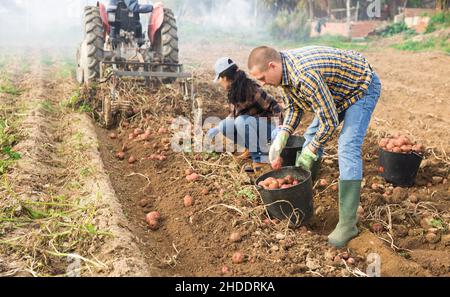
(262, 56)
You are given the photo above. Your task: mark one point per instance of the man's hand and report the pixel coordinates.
(278, 146)
(306, 159)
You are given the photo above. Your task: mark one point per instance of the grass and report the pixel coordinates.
(439, 21)
(76, 103)
(8, 88)
(47, 60)
(9, 135)
(66, 69)
(248, 194)
(48, 106)
(432, 43)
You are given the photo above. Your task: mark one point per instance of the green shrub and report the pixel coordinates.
(397, 28)
(291, 25)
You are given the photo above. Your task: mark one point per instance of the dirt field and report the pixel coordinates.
(70, 200)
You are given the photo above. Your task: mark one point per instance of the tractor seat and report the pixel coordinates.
(138, 8)
(145, 8)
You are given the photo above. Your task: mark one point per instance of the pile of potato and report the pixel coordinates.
(272, 183)
(400, 144)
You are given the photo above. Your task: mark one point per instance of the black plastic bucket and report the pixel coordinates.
(295, 203)
(398, 168)
(289, 154)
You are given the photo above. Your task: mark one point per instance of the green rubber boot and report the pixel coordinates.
(349, 196)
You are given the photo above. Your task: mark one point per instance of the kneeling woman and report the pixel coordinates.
(254, 111)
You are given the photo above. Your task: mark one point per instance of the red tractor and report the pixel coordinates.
(115, 46)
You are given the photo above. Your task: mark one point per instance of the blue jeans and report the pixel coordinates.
(356, 121)
(252, 133)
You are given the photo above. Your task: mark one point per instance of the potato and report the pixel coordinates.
(193, 177)
(323, 183)
(205, 191)
(138, 131)
(377, 227)
(418, 148)
(351, 261)
(360, 211)
(337, 259)
(390, 146)
(131, 136)
(274, 186)
(281, 181)
(188, 201)
(162, 158)
(225, 270)
(152, 220)
(270, 179)
(153, 224)
(235, 237)
(113, 135)
(405, 140)
(397, 150)
(295, 182)
(162, 130)
(189, 171)
(144, 202)
(132, 160)
(289, 179)
(267, 222)
(237, 258)
(407, 148)
(154, 215)
(383, 142)
(120, 155)
(286, 187)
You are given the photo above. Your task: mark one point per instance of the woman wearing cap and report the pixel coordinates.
(254, 111)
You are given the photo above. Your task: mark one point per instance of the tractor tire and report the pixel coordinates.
(166, 44)
(90, 53)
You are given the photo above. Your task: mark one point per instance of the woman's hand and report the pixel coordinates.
(212, 133)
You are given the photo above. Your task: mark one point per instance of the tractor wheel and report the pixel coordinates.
(166, 44)
(90, 53)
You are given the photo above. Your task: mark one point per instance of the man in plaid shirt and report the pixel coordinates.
(339, 86)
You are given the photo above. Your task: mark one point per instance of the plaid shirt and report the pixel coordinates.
(261, 105)
(323, 80)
